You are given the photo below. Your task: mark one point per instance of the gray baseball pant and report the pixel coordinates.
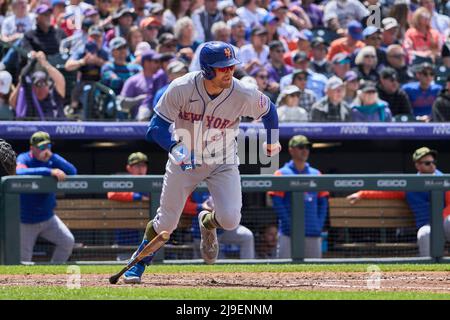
(223, 182)
(53, 230)
(423, 237)
(313, 247)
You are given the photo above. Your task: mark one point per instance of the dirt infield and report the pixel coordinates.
(438, 282)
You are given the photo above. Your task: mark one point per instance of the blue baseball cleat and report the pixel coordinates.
(133, 276)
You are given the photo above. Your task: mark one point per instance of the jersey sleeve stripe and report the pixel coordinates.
(163, 116)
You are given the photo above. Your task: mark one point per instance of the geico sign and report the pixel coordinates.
(72, 185)
(256, 183)
(348, 183)
(118, 184)
(392, 183)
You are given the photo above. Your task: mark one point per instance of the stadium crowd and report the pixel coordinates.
(335, 60)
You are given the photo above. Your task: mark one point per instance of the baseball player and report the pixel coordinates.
(196, 121)
(36, 210)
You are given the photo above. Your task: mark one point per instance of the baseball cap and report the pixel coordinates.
(258, 30)
(137, 157)
(423, 66)
(269, 18)
(355, 30)
(299, 140)
(422, 152)
(156, 8)
(389, 23)
(370, 30)
(388, 73)
(176, 66)
(150, 55)
(142, 47)
(39, 138)
(275, 44)
(350, 76)
(236, 21)
(333, 83)
(117, 43)
(166, 38)
(5, 82)
(341, 58)
(299, 71)
(317, 41)
(368, 86)
(277, 5)
(305, 34)
(38, 76)
(43, 9)
(299, 56)
(149, 21)
(95, 31)
(290, 89)
(121, 12)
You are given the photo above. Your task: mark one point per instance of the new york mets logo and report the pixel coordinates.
(227, 52)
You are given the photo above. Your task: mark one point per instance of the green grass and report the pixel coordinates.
(134, 293)
(110, 269)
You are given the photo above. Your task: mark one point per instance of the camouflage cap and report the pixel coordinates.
(39, 138)
(422, 152)
(299, 140)
(136, 158)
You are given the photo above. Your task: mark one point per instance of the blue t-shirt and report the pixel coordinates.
(421, 101)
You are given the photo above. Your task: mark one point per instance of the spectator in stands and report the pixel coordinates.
(303, 44)
(150, 27)
(421, 40)
(270, 22)
(351, 82)
(238, 38)
(251, 13)
(419, 202)
(340, 64)
(104, 10)
(319, 62)
(137, 165)
(424, 92)
(441, 107)
(401, 12)
(175, 69)
(44, 37)
(115, 73)
(307, 97)
(140, 10)
(276, 66)
(349, 43)
(139, 90)
(440, 22)
(372, 37)
(256, 53)
(157, 11)
(366, 64)
(76, 8)
(390, 35)
(286, 31)
(140, 49)
(39, 93)
(262, 79)
(389, 90)
(228, 10)
(339, 14)
(122, 20)
(4, 11)
(332, 107)
(241, 236)
(267, 242)
(6, 112)
(288, 105)
(134, 37)
(396, 59)
(36, 210)
(184, 32)
(16, 24)
(314, 12)
(367, 107)
(316, 203)
(176, 10)
(205, 18)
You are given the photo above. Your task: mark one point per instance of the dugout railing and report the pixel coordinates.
(12, 186)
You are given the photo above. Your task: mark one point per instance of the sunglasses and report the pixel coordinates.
(397, 56)
(428, 74)
(226, 69)
(303, 147)
(45, 146)
(262, 77)
(41, 84)
(370, 56)
(300, 78)
(428, 163)
(152, 28)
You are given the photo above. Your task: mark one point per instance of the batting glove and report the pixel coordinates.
(179, 153)
(271, 150)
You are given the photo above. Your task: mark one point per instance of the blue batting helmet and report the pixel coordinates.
(216, 54)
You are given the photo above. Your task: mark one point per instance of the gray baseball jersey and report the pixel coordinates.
(208, 126)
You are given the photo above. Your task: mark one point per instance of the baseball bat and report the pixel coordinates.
(150, 248)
